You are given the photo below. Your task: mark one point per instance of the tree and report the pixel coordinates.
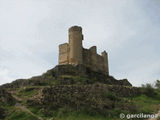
(157, 84)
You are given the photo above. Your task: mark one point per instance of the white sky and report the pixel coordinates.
(129, 30)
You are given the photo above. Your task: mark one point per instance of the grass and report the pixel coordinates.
(147, 104)
(17, 114)
(28, 91)
(144, 104)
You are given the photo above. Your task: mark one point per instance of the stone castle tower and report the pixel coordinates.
(74, 53)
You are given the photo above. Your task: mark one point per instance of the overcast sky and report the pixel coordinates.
(129, 30)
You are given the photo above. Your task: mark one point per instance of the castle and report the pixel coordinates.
(73, 53)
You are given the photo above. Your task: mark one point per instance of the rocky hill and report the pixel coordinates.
(69, 92)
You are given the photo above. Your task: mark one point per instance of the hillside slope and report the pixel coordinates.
(73, 92)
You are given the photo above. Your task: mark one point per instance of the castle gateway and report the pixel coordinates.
(73, 53)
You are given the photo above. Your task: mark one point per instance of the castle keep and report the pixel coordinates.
(73, 53)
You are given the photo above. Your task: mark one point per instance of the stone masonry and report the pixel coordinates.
(73, 53)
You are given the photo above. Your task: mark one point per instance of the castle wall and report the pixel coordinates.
(94, 61)
(105, 57)
(100, 63)
(64, 53)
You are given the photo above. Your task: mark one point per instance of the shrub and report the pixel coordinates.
(148, 90)
(157, 84)
(2, 113)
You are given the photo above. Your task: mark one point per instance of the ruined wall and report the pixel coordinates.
(64, 53)
(94, 61)
(105, 57)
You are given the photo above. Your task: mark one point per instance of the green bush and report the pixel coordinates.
(157, 84)
(110, 95)
(2, 113)
(148, 90)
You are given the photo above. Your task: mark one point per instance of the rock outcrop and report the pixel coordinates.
(66, 75)
(98, 97)
(6, 97)
(93, 76)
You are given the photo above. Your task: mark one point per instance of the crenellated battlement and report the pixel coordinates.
(75, 29)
